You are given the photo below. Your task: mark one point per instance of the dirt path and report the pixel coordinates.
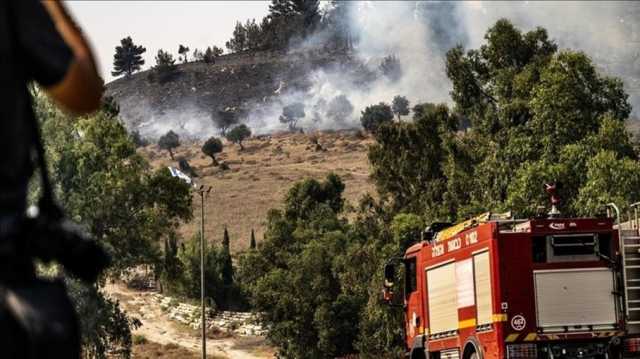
(156, 327)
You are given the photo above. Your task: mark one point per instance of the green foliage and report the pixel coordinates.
(169, 141)
(165, 67)
(533, 115)
(138, 140)
(212, 146)
(104, 326)
(227, 265)
(128, 58)
(293, 276)
(375, 116)
(291, 114)
(218, 287)
(109, 106)
(239, 134)
(106, 186)
(536, 115)
(407, 160)
(252, 244)
(94, 158)
(400, 106)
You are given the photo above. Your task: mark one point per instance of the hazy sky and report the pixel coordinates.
(160, 24)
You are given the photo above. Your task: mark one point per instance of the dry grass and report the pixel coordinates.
(260, 176)
(151, 350)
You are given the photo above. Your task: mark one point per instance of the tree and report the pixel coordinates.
(110, 106)
(239, 134)
(339, 109)
(400, 106)
(183, 50)
(407, 159)
(238, 42)
(309, 10)
(169, 141)
(211, 54)
(375, 116)
(291, 114)
(227, 265)
(165, 64)
(91, 158)
(252, 244)
(253, 34)
(138, 140)
(391, 68)
(127, 58)
(212, 146)
(224, 119)
(294, 277)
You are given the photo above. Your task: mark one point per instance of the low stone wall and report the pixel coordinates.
(240, 323)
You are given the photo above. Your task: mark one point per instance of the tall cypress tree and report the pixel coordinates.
(128, 58)
(253, 240)
(227, 265)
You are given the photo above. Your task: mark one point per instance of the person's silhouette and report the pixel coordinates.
(39, 43)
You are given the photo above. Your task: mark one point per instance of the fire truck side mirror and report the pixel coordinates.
(389, 275)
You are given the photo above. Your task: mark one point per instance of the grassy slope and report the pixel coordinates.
(260, 176)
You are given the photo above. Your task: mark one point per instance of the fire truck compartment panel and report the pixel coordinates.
(574, 298)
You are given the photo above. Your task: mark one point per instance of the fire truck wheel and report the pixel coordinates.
(418, 353)
(472, 349)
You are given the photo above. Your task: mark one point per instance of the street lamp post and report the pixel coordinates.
(203, 321)
(203, 191)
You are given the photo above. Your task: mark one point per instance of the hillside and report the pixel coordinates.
(242, 82)
(260, 176)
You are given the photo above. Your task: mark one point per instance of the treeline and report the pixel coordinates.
(523, 114)
(290, 22)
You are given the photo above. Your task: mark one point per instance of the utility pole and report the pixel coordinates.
(203, 321)
(203, 191)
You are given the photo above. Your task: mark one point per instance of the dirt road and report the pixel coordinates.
(157, 327)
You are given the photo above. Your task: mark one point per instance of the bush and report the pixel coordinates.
(212, 146)
(169, 141)
(139, 339)
(239, 134)
(376, 115)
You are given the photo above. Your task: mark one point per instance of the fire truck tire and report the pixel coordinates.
(472, 349)
(418, 353)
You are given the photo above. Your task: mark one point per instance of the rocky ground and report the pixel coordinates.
(160, 336)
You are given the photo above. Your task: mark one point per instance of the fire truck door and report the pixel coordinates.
(413, 311)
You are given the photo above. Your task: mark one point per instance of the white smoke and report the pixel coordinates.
(420, 33)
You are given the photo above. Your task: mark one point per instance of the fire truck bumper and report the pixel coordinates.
(610, 348)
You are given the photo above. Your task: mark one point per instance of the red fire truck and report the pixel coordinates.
(494, 287)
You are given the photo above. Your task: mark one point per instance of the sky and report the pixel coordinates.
(159, 25)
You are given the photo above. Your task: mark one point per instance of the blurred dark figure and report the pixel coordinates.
(39, 42)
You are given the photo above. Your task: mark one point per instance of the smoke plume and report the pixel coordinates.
(420, 33)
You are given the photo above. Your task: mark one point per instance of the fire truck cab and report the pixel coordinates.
(545, 288)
